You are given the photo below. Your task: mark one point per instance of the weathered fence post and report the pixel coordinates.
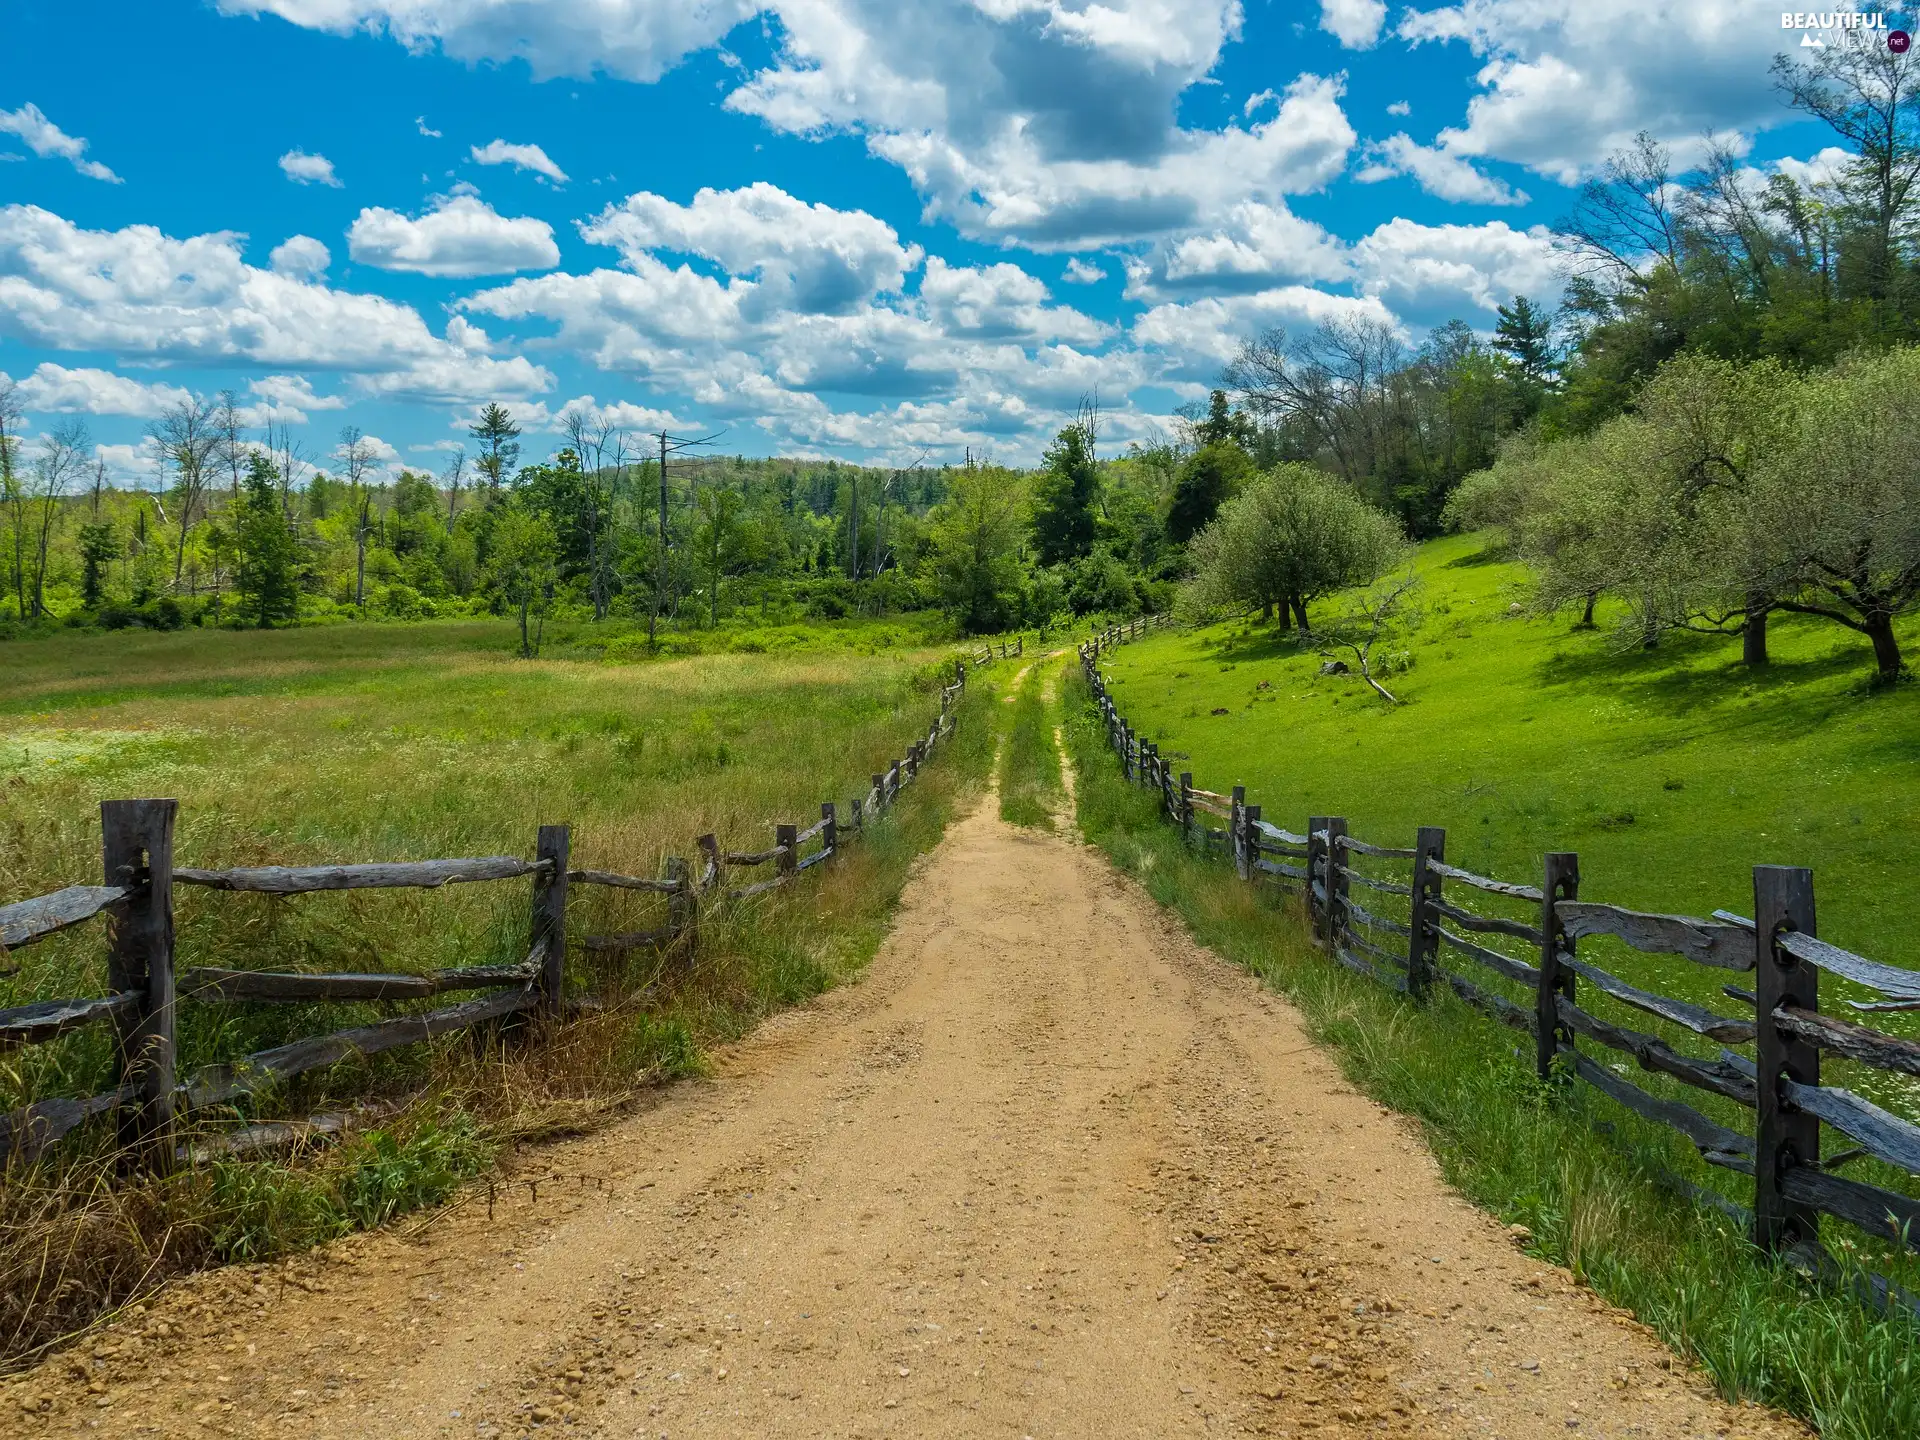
(550, 917)
(1126, 750)
(1336, 866)
(879, 794)
(830, 831)
(960, 672)
(1237, 831)
(1423, 946)
(859, 821)
(1250, 840)
(136, 851)
(683, 904)
(913, 759)
(1560, 880)
(1185, 818)
(1782, 901)
(1316, 871)
(711, 876)
(786, 839)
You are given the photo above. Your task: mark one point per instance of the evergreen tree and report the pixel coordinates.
(499, 441)
(1211, 476)
(1064, 495)
(264, 574)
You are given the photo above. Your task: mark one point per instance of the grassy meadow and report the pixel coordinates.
(390, 742)
(1594, 1184)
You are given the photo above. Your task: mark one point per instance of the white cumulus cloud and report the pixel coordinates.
(1082, 272)
(1438, 268)
(304, 169)
(45, 139)
(804, 256)
(1566, 83)
(521, 157)
(54, 389)
(1354, 23)
(300, 257)
(631, 39)
(138, 292)
(1438, 170)
(461, 235)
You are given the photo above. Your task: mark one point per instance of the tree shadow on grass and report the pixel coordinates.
(1701, 678)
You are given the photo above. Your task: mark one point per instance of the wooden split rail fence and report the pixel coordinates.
(145, 991)
(1404, 916)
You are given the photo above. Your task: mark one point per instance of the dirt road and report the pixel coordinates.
(1050, 1170)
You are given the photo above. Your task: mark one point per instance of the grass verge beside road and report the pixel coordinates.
(305, 748)
(1589, 1180)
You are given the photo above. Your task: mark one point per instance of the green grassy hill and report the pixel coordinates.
(1671, 772)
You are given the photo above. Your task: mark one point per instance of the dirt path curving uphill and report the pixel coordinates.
(1050, 1170)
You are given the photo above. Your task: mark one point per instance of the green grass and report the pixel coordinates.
(413, 741)
(1671, 772)
(1030, 790)
(1592, 1182)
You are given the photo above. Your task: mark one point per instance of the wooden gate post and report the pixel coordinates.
(786, 837)
(1316, 870)
(1336, 863)
(1782, 901)
(830, 831)
(550, 917)
(1423, 946)
(136, 852)
(1559, 880)
(1237, 830)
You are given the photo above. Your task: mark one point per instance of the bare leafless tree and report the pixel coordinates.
(1628, 222)
(453, 477)
(188, 439)
(1338, 384)
(12, 489)
(1867, 95)
(61, 460)
(357, 455)
(1372, 614)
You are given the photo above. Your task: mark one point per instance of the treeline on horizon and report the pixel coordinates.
(1710, 430)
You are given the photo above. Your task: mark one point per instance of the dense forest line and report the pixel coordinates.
(1667, 436)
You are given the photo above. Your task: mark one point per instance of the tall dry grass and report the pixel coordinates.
(302, 752)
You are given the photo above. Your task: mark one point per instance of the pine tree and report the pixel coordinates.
(264, 575)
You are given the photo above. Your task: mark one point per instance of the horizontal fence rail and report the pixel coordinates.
(146, 991)
(1439, 934)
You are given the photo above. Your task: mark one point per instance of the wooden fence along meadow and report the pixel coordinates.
(1433, 929)
(144, 991)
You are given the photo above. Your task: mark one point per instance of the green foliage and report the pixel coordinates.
(1210, 477)
(1295, 535)
(521, 564)
(260, 1209)
(267, 551)
(977, 571)
(1064, 496)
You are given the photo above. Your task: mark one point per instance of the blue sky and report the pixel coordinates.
(865, 228)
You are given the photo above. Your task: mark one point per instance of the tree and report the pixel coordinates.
(1372, 614)
(1064, 496)
(357, 455)
(1841, 503)
(499, 440)
(264, 543)
(1524, 334)
(976, 536)
(188, 440)
(12, 490)
(61, 458)
(1867, 95)
(1294, 535)
(521, 565)
(1210, 477)
(722, 541)
(99, 544)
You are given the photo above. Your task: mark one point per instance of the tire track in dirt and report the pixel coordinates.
(1049, 1170)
